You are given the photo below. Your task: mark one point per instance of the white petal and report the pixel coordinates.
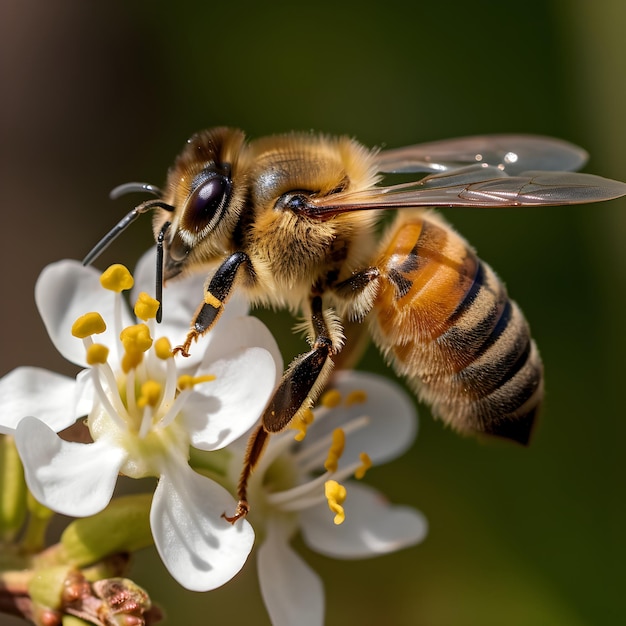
(75, 479)
(200, 549)
(237, 333)
(372, 526)
(35, 391)
(222, 410)
(292, 591)
(393, 419)
(66, 290)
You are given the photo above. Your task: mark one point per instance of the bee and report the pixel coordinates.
(292, 220)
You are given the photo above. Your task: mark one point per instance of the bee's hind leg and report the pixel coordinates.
(301, 384)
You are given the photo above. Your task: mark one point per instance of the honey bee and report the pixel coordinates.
(292, 221)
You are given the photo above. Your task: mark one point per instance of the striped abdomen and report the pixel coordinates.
(445, 321)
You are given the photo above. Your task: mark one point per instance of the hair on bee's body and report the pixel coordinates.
(292, 220)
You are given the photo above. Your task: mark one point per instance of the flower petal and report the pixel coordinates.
(224, 409)
(292, 591)
(200, 549)
(372, 526)
(66, 290)
(393, 419)
(75, 479)
(239, 333)
(35, 391)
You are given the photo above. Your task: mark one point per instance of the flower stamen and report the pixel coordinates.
(301, 423)
(336, 450)
(366, 463)
(336, 495)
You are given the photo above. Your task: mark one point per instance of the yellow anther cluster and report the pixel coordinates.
(146, 307)
(150, 394)
(117, 278)
(187, 382)
(301, 422)
(336, 450)
(336, 495)
(366, 463)
(97, 354)
(87, 325)
(136, 340)
(331, 399)
(358, 396)
(163, 348)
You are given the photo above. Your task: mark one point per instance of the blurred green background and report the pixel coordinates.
(95, 94)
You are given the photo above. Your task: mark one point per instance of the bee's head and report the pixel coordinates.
(197, 212)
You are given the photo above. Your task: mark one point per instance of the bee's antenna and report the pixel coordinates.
(122, 190)
(159, 270)
(128, 219)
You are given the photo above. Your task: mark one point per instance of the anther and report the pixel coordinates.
(331, 399)
(117, 278)
(97, 354)
(87, 325)
(163, 348)
(150, 394)
(336, 450)
(146, 307)
(357, 396)
(335, 494)
(301, 422)
(366, 463)
(187, 382)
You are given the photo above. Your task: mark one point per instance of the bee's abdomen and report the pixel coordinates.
(445, 321)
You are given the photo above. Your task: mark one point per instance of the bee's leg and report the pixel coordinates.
(359, 292)
(301, 384)
(216, 294)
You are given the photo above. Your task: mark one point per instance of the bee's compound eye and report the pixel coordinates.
(207, 202)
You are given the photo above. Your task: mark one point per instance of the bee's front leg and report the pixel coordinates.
(301, 384)
(215, 296)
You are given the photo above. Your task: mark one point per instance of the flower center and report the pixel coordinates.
(291, 479)
(140, 399)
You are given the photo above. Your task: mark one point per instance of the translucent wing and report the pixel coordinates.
(513, 153)
(474, 186)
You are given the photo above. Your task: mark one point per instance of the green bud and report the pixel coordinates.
(124, 526)
(47, 585)
(12, 490)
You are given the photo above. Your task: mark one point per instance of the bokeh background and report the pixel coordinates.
(95, 94)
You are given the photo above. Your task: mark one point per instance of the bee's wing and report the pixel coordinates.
(474, 186)
(513, 153)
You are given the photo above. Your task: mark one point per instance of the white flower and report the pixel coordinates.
(301, 486)
(144, 410)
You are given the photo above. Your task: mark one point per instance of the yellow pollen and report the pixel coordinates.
(211, 300)
(117, 278)
(150, 394)
(163, 348)
(366, 463)
(87, 325)
(187, 382)
(336, 495)
(136, 340)
(97, 354)
(336, 450)
(301, 422)
(331, 399)
(358, 396)
(146, 307)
